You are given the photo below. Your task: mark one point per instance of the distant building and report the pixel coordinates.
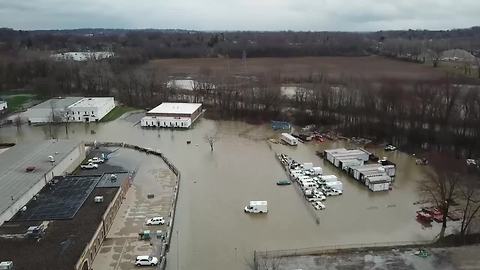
(3, 106)
(176, 115)
(71, 109)
(82, 56)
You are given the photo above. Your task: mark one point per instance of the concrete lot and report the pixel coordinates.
(122, 244)
(438, 259)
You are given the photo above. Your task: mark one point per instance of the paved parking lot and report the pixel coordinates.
(122, 245)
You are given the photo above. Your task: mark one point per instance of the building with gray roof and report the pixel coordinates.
(52, 110)
(71, 109)
(26, 168)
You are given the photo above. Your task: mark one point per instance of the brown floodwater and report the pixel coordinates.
(213, 230)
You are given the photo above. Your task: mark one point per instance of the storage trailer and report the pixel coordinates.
(289, 139)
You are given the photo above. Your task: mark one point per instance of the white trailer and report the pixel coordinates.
(256, 207)
(390, 170)
(358, 170)
(350, 154)
(289, 139)
(329, 154)
(329, 178)
(378, 183)
(347, 163)
(335, 185)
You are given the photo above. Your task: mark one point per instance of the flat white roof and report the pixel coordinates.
(335, 150)
(258, 202)
(178, 108)
(91, 102)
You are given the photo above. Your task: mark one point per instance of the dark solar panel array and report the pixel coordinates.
(62, 200)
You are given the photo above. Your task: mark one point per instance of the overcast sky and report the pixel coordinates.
(344, 15)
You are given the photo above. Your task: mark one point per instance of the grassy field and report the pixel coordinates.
(117, 112)
(368, 67)
(16, 103)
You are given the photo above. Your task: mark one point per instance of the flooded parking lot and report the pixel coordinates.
(213, 231)
(152, 177)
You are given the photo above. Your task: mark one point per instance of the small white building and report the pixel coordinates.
(90, 109)
(175, 115)
(3, 106)
(71, 109)
(82, 56)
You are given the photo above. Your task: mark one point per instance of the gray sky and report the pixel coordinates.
(349, 15)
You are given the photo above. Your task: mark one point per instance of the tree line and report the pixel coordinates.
(143, 45)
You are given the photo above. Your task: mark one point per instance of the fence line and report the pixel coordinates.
(338, 248)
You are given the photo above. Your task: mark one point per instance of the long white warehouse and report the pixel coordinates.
(71, 109)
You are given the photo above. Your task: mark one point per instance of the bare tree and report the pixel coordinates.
(17, 121)
(470, 193)
(66, 118)
(440, 186)
(211, 139)
(477, 63)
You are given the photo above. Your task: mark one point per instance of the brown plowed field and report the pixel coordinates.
(368, 67)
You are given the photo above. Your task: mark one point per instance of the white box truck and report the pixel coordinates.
(289, 139)
(335, 185)
(329, 178)
(256, 207)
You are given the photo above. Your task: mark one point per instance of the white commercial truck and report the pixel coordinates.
(256, 207)
(289, 139)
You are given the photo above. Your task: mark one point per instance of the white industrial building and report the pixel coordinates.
(3, 106)
(26, 168)
(71, 109)
(90, 109)
(175, 115)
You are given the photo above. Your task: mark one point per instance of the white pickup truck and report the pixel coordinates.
(96, 160)
(88, 166)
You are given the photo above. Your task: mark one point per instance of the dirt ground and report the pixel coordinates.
(368, 67)
(438, 259)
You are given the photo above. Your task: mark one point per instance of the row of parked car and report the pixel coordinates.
(314, 187)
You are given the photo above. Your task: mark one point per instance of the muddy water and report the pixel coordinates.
(213, 231)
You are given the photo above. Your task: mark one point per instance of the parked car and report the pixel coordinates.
(89, 166)
(319, 205)
(333, 192)
(155, 221)
(421, 161)
(96, 160)
(390, 148)
(471, 162)
(146, 261)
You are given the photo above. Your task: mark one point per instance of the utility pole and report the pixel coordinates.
(178, 243)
